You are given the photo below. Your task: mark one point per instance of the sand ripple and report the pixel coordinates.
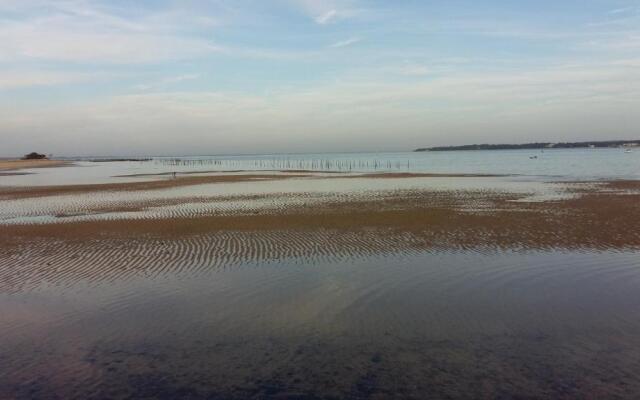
(48, 262)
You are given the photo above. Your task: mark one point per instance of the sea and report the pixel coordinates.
(552, 164)
(288, 315)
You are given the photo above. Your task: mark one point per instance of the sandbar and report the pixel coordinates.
(13, 165)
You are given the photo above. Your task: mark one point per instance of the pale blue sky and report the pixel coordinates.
(216, 76)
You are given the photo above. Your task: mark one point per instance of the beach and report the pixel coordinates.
(15, 165)
(236, 284)
(319, 200)
(598, 217)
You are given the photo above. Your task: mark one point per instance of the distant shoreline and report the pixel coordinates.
(14, 165)
(537, 146)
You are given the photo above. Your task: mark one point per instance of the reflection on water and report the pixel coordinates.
(455, 324)
(312, 313)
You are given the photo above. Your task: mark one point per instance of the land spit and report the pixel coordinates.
(14, 165)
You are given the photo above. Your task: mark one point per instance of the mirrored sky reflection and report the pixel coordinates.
(211, 77)
(449, 324)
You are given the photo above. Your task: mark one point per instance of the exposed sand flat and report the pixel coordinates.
(179, 181)
(596, 212)
(599, 219)
(273, 204)
(591, 221)
(12, 165)
(166, 181)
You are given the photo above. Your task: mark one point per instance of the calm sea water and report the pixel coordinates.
(227, 316)
(454, 325)
(576, 164)
(570, 163)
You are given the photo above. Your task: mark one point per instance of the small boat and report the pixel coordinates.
(627, 151)
(533, 157)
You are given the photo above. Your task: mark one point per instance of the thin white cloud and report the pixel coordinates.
(115, 48)
(163, 83)
(616, 43)
(78, 32)
(324, 12)
(363, 97)
(631, 62)
(346, 42)
(579, 100)
(326, 17)
(414, 70)
(14, 79)
(622, 10)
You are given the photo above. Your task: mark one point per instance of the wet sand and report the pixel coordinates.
(167, 180)
(396, 294)
(14, 165)
(38, 191)
(603, 217)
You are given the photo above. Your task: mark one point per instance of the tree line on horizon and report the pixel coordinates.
(537, 145)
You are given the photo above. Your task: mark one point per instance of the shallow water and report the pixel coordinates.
(358, 314)
(569, 164)
(401, 324)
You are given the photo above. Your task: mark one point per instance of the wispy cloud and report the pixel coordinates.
(584, 99)
(167, 81)
(409, 69)
(622, 10)
(345, 43)
(326, 17)
(253, 72)
(14, 79)
(624, 42)
(86, 33)
(324, 12)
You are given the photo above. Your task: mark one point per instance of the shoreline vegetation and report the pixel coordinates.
(537, 146)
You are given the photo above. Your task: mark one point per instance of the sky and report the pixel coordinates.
(195, 77)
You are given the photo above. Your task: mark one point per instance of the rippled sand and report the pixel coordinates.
(270, 286)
